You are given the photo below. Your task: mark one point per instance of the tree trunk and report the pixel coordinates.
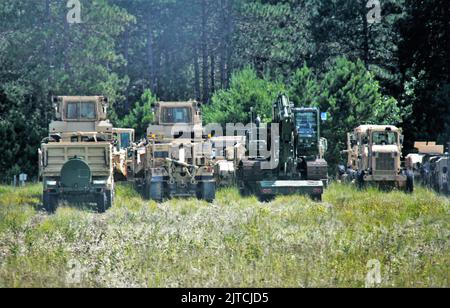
(205, 96)
(126, 52)
(366, 49)
(213, 72)
(196, 75)
(223, 43)
(150, 58)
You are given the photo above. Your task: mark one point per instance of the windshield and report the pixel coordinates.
(306, 123)
(176, 115)
(81, 111)
(125, 140)
(384, 138)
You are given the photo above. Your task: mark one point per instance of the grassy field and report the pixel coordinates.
(235, 242)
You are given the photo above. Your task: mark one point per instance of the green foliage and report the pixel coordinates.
(425, 63)
(237, 242)
(304, 89)
(141, 115)
(352, 97)
(246, 90)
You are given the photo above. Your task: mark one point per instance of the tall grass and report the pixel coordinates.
(234, 242)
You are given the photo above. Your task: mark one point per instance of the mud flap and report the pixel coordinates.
(209, 191)
(50, 202)
(156, 191)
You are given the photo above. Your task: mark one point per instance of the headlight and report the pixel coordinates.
(99, 182)
(51, 183)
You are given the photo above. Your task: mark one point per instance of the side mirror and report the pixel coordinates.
(402, 139)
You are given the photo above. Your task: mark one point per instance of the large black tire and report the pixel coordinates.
(156, 191)
(109, 199)
(445, 189)
(102, 202)
(266, 198)
(316, 198)
(208, 191)
(409, 182)
(360, 180)
(50, 202)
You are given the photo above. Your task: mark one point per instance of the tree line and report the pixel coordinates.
(229, 54)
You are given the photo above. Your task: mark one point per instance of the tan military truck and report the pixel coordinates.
(374, 156)
(75, 161)
(431, 166)
(178, 156)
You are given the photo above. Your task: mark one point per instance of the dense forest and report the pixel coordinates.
(361, 61)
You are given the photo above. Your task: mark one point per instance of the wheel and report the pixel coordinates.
(109, 199)
(445, 189)
(360, 179)
(156, 191)
(102, 202)
(208, 191)
(316, 198)
(266, 198)
(50, 202)
(409, 182)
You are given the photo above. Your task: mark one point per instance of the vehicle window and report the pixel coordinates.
(125, 140)
(306, 123)
(81, 111)
(384, 138)
(176, 115)
(72, 111)
(87, 111)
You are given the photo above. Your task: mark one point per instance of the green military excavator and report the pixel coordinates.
(290, 160)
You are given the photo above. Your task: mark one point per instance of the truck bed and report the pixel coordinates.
(97, 155)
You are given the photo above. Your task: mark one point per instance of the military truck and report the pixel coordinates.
(430, 165)
(178, 156)
(75, 160)
(123, 159)
(294, 164)
(374, 156)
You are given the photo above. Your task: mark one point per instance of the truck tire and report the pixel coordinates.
(50, 202)
(102, 201)
(360, 180)
(156, 191)
(445, 189)
(317, 198)
(409, 182)
(208, 191)
(109, 199)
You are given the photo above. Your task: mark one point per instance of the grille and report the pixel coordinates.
(385, 162)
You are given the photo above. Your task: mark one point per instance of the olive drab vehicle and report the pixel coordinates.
(374, 156)
(75, 161)
(296, 164)
(177, 160)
